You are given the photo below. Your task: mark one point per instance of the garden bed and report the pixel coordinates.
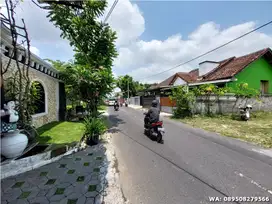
(257, 130)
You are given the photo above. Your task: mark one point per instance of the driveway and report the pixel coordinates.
(190, 167)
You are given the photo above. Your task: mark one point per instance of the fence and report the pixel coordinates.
(147, 101)
(221, 105)
(136, 100)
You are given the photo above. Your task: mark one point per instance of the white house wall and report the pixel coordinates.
(179, 81)
(50, 87)
(206, 67)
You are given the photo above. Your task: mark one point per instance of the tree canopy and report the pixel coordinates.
(89, 76)
(127, 84)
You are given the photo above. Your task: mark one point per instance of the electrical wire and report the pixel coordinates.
(223, 45)
(110, 11)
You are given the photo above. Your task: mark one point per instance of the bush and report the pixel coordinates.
(94, 127)
(184, 102)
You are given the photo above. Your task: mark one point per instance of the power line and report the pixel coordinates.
(110, 11)
(183, 63)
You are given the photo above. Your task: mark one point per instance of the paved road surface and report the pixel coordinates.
(188, 168)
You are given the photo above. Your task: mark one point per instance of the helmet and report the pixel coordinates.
(154, 103)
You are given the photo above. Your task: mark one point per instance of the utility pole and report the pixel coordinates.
(128, 90)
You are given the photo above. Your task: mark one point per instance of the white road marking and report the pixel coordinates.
(253, 182)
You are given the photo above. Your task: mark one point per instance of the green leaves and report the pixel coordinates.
(94, 126)
(89, 77)
(125, 82)
(184, 101)
(243, 91)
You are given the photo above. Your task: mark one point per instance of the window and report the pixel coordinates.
(23, 60)
(264, 86)
(38, 95)
(7, 51)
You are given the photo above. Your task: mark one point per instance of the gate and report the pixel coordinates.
(147, 101)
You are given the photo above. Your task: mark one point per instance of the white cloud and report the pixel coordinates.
(34, 50)
(145, 58)
(141, 58)
(42, 33)
(127, 20)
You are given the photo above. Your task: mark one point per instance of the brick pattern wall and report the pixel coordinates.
(51, 92)
(225, 104)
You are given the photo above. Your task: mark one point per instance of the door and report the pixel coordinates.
(264, 86)
(62, 102)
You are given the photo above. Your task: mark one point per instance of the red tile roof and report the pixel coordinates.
(232, 66)
(226, 69)
(186, 76)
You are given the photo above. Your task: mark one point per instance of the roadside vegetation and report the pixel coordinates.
(257, 130)
(88, 78)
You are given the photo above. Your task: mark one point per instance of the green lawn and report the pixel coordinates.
(60, 132)
(258, 130)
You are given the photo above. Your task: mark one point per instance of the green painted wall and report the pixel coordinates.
(253, 74)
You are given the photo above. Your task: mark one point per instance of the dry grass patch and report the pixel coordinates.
(258, 130)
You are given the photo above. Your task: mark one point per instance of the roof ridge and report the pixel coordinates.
(252, 53)
(229, 68)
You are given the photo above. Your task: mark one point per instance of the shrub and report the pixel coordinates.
(94, 127)
(184, 102)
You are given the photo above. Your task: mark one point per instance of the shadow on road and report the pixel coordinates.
(114, 122)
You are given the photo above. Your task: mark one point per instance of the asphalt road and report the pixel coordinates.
(189, 167)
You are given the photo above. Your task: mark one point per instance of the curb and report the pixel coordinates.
(15, 167)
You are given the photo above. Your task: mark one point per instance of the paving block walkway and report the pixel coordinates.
(74, 179)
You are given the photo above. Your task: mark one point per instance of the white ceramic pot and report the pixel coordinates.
(13, 144)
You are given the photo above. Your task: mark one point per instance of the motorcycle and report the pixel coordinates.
(116, 108)
(155, 130)
(245, 112)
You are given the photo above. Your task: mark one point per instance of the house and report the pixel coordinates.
(52, 103)
(180, 78)
(255, 69)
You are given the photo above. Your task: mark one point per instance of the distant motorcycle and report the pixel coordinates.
(245, 112)
(116, 108)
(155, 130)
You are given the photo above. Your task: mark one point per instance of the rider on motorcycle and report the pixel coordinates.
(153, 114)
(116, 104)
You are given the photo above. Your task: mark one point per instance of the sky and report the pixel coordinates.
(157, 35)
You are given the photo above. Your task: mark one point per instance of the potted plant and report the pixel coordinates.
(94, 127)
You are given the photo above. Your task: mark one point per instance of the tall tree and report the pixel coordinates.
(94, 46)
(57, 64)
(127, 85)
